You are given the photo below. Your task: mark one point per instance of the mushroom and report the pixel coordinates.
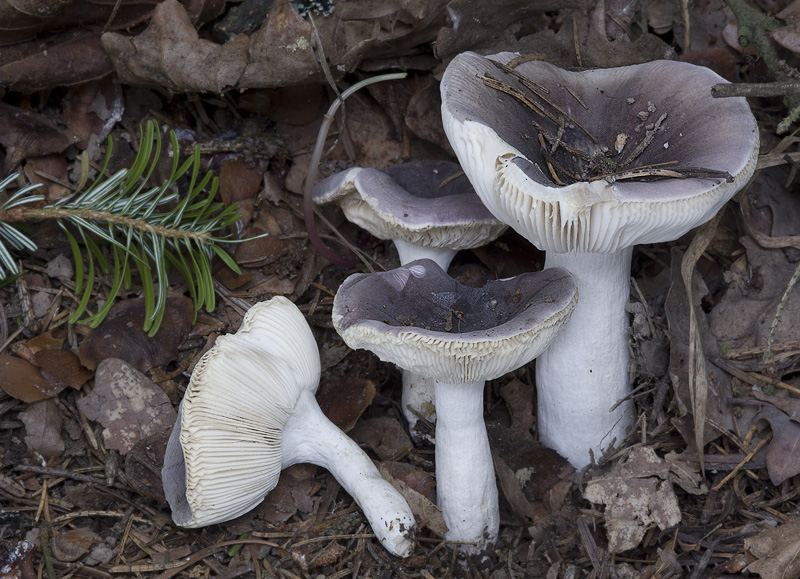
(429, 210)
(425, 207)
(421, 319)
(249, 412)
(585, 165)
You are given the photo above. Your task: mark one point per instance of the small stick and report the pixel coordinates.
(576, 97)
(496, 84)
(649, 138)
(559, 135)
(536, 89)
(515, 62)
(550, 168)
(743, 462)
(755, 89)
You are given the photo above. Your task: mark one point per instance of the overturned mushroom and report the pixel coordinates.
(425, 322)
(429, 210)
(249, 412)
(585, 165)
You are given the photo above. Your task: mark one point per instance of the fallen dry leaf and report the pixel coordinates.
(24, 381)
(788, 36)
(786, 404)
(783, 456)
(581, 41)
(42, 422)
(686, 474)
(518, 396)
(638, 495)
(416, 478)
(512, 491)
(776, 550)
(472, 24)
(679, 326)
(85, 496)
(66, 59)
(425, 510)
(423, 115)
(128, 404)
(294, 492)
(343, 399)
(744, 315)
(384, 435)
(63, 364)
(169, 53)
(121, 336)
(71, 544)
(143, 464)
(54, 166)
(25, 134)
(92, 109)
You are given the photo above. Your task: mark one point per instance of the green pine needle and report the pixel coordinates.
(118, 226)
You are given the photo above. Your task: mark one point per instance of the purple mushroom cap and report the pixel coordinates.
(425, 203)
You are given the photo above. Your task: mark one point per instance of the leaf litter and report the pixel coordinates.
(715, 343)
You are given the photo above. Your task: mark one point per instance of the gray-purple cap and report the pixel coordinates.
(424, 321)
(423, 203)
(643, 153)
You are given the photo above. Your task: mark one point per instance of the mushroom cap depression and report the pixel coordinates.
(409, 202)
(224, 454)
(643, 153)
(425, 322)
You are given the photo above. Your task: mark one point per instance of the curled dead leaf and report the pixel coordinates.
(171, 54)
(65, 59)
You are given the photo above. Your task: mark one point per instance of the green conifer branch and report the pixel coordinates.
(119, 225)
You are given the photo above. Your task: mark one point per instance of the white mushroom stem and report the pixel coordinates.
(308, 436)
(465, 485)
(409, 252)
(584, 371)
(418, 399)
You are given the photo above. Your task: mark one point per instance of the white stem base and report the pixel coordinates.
(584, 372)
(465, 484)
(309, 436)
